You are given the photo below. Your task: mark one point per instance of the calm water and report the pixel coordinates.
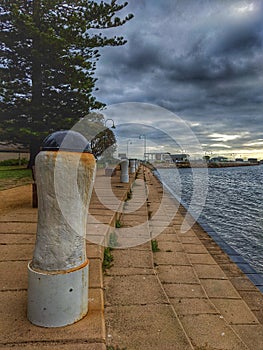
(232, 205)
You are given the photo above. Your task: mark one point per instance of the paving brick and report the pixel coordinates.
(252, 335)
(254, 299)
(195, 248)
(134, 290)
(95, 273)
(132, 258)
(179, 290)
(11, 238)
(235, 311)
(13, 275)
(208, 331)
(97, 230)
(144, 246)
(231, 270)
(259, 315)
(188, 233)
(178, 274)
(220, 257)
(171, 258)
(20, 215)
(205, 259)
(193, 306)
(242, 283)
(129, 271)
(220, 289)
(145, 327)
(209, 272)
(101, 219)
(96, 299)
(170, 230)
(168, 237)
(18, 329)
(14, 252)
(95, 251)
(49, 345)
(15, 227)
(170, 246)
(190, 240)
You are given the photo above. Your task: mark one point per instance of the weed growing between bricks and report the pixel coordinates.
(155, 246)
(149, 214)
(107, 260)
(118, 224)
(129, 195)
(113, 240)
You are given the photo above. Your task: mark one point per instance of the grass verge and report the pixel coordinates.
(12, 176)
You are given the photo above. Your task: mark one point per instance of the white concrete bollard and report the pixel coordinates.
(132, 166)
(58, 272)
(125, 171)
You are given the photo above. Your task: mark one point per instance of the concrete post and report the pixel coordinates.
(125, 171)
(58, 272)
(132, 166)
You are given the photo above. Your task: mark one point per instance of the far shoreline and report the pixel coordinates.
(195, 164)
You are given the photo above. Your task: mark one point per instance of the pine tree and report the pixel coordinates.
(49, 50)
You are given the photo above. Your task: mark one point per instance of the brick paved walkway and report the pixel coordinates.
(179, 297)
(187, 295)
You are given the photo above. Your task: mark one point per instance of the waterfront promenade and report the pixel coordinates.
(185, 295)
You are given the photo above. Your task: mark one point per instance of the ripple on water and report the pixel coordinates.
(233, 207)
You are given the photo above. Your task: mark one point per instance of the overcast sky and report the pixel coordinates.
(200, 59)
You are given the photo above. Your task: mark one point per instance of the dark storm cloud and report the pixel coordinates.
(201, 59)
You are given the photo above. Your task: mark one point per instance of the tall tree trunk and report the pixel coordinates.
(34, 149)
(36, 66)
(37, 86)
(36, 97)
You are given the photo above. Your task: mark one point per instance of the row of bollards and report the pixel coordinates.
(125, 164)
(58, 273)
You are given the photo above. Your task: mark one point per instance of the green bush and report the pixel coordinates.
(13, 162)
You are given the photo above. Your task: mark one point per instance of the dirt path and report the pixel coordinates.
(15, 198)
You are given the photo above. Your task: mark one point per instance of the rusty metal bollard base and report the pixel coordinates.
(57, 299)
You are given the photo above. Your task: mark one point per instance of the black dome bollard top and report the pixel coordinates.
(66, 140)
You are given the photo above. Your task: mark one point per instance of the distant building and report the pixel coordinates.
(219, 159)
(13, 152)
(252, 160)
(181, 157)
(157, 157)
(239, 160)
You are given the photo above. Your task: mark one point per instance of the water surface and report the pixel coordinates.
(232, 205)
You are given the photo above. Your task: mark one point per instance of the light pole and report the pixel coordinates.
(143, 136)
(109, 119)
(104, 136)
(129, 142)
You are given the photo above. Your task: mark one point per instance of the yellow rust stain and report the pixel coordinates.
(56, 272)
(87, 158)
(51, 154)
